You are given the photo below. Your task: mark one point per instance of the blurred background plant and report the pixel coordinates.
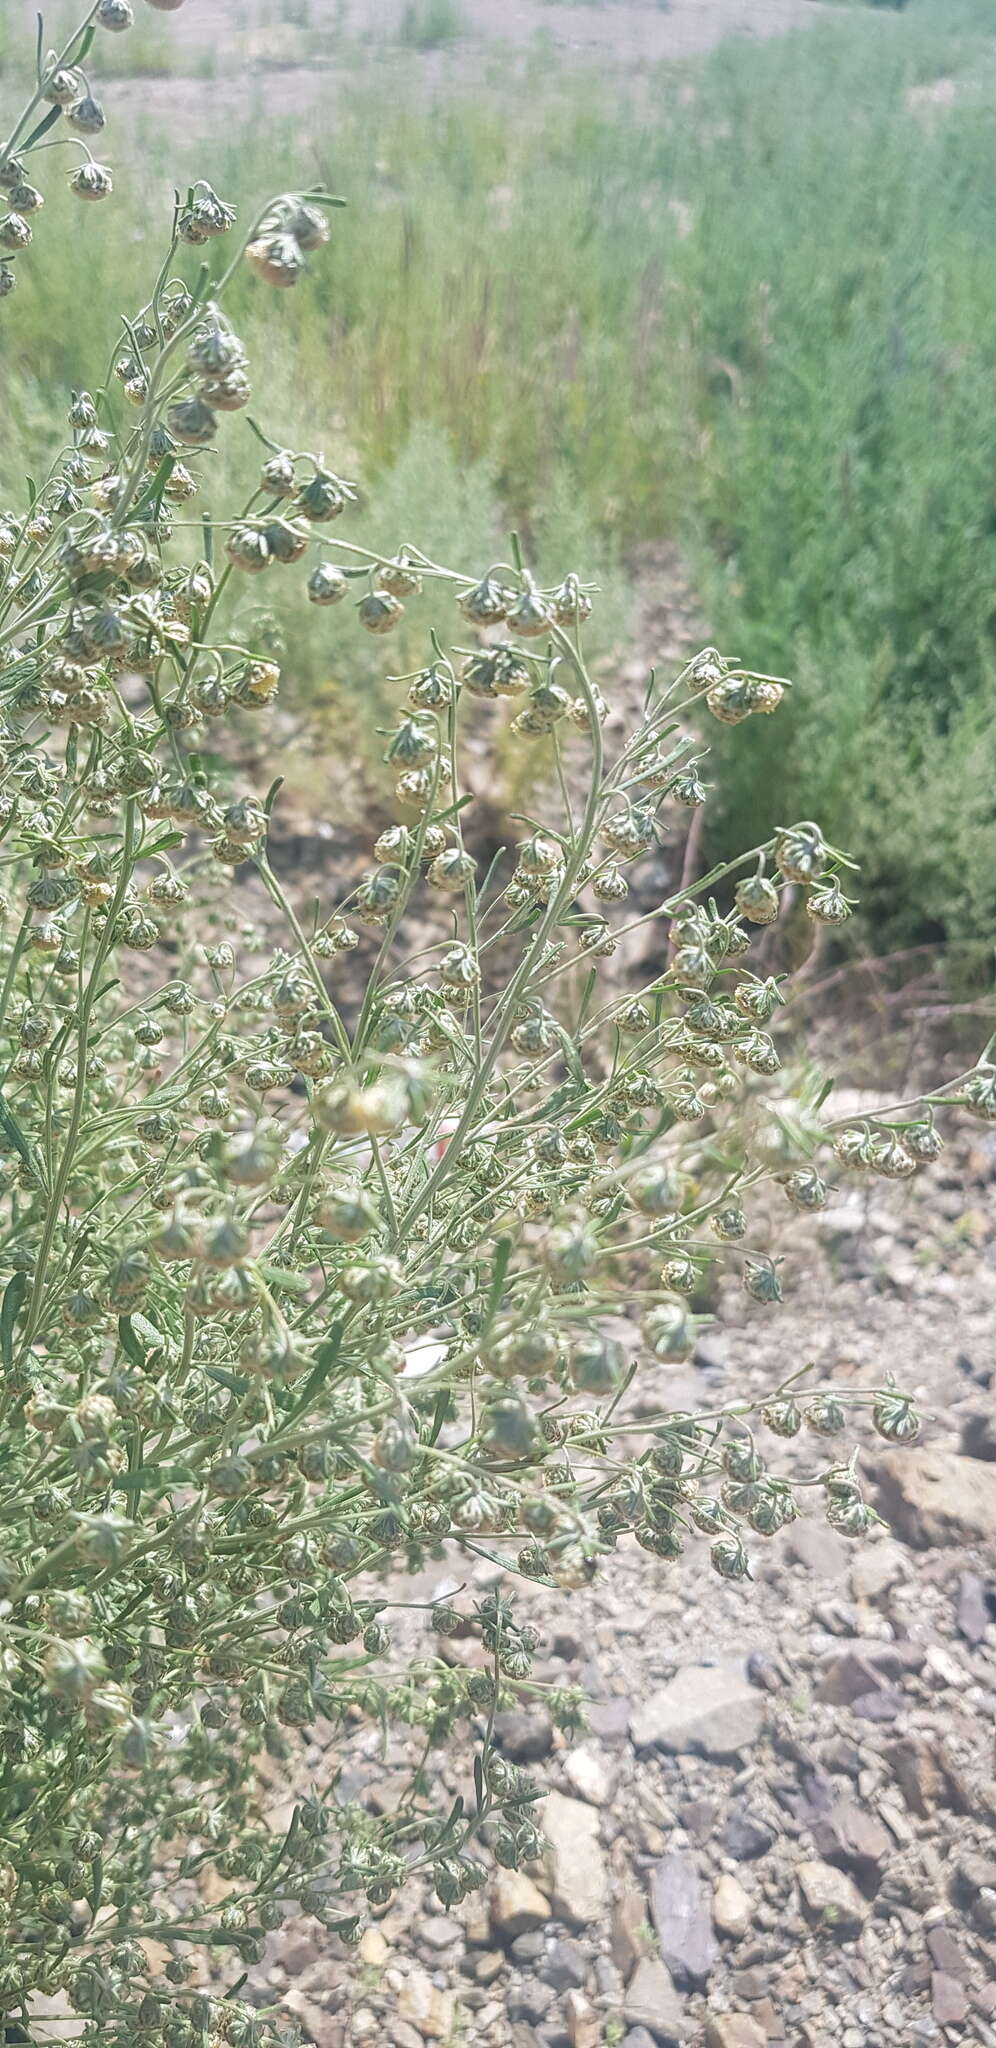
(756, 291)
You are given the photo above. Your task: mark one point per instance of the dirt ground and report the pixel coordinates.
(218, 59)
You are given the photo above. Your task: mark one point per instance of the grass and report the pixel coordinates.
(432, 24)
(751, 307)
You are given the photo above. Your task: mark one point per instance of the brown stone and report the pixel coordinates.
(926, 1777)
(848, 1678)
(936, 1497)
(831, 1900)
(430, 2011)
(517, 1905)
(734, 2030)
(855, 1840)
(629, 1931)
(584, 2025)
(732, 1908)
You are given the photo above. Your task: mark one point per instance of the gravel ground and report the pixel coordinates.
(777, 1831)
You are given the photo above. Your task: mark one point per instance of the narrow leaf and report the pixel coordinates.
(138, 1338)
(502, 1256)
(157, 484)
(325, 1359)
(14, 1133)
(42, 128)
(13, 1296)
(282, 1280)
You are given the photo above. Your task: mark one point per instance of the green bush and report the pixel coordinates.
(306, 1275)
(431, 24)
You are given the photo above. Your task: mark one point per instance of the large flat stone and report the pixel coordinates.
(651, 2001)
(579, 1882)
(708, 1708)
(679, 1907)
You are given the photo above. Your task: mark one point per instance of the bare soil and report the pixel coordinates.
(218, 60)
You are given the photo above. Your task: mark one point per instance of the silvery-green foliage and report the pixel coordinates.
(300, 1285)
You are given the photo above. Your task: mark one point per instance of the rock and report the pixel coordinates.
(681, 1917)
(637, 2037)
(848, 1678)
(925, 1776)
(589, 1773)
(524, 1736)
(578, 1877)
(426, 2008)
(747, 1836)
(608, 1982)
(948, 2002)
(699, 1817)
(584, 2024)
(936, 1497)
(476, 1918)
(942, 1669)
(853, 1839)
(324, 2030)
(841, 1757)
(651, 2001)
(566, 1966)
(629, 1930)
(831, 1900)
(609, 1719)
(711, 1355)
(517, 1905)
(972, 1608)
(978, 1435)
(528, 1999)
(877, 1569)
(708, 1708)
(732, 1909)
(435, 1931)
(734, 2030)
(766, 1672)
(303, 1951)
(944, 1951)
(818, 1549)
(837, 1617)
(974, 1874)
(372, 1949)
(489, 1966)
(527, 1948)
(884, 1705)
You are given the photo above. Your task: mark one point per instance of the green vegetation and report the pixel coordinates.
(320, 1212)
(429, 24)
(751, 310)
